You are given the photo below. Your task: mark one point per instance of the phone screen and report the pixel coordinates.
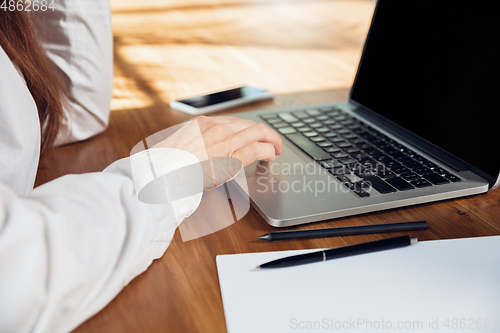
(222, 96)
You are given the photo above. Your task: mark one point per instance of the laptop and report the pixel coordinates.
(419, 126)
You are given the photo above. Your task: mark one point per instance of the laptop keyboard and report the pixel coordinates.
(346, 146)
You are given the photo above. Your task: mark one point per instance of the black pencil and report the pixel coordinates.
(341, 252)
(345, 231)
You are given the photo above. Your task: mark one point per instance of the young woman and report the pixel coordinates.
(69, 246)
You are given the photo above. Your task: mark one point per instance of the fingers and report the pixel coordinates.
(257, 133)
(239, 138)
(222, 119)
(204, 120)
(230, 124)
(255, 151)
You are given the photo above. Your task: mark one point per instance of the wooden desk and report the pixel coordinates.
(288, 46)
(180, 291)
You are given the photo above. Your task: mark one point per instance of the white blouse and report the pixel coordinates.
(69, 246)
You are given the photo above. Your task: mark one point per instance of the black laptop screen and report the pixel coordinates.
(435, 70)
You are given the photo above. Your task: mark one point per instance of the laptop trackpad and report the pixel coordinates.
(295, 186)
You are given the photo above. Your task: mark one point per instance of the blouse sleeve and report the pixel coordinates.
(72, 244)
(78, 40)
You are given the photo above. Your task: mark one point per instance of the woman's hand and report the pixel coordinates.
(225, 136)
(223, 145)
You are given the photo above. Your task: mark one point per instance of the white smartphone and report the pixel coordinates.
(220, 100)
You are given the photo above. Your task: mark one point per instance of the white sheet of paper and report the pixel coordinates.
(432, 286)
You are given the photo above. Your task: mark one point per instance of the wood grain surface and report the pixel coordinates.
(180, 291)
(304, 50)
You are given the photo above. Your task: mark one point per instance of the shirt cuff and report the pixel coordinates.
(167, 176)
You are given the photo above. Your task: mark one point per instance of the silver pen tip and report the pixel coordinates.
(413, 240)
(264, 237)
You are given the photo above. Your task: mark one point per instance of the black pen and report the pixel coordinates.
(344, 231)
(341, 252)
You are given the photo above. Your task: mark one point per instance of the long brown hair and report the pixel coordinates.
(18, 38)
